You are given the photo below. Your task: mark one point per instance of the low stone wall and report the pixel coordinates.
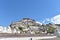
(23, 35)
(28, 38)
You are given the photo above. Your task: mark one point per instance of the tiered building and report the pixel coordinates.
(26, 25)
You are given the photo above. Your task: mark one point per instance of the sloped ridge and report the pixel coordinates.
(26, 24)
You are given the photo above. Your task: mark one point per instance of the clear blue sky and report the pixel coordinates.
(13, 10)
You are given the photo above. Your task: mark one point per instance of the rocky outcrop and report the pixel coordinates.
(26, 25)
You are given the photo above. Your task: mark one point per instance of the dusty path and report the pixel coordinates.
(22, 35)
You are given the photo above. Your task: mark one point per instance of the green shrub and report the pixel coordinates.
(20, 28)
(51, 30)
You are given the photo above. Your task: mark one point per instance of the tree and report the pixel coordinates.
(50, 30)
(20, 28)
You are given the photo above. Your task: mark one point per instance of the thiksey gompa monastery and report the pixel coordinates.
(30, 26)
(26, 25)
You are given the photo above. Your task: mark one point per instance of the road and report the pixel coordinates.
(22, 35)
(58, 38)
